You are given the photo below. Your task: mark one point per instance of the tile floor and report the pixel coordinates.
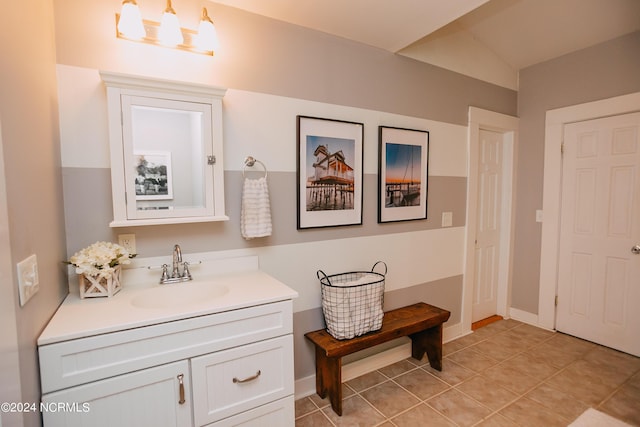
(505, 374)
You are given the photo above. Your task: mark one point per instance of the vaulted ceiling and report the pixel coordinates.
(486, 39)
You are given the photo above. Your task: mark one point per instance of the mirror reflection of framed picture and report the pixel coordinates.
(329, 172)
(153, 175)
(403, 171)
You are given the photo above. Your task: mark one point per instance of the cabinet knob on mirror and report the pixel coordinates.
(635, 250)
(181, 389)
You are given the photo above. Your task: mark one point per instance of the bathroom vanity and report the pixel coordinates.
(216, 351)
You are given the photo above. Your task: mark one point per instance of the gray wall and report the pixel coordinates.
(33, 185)
(603, 71)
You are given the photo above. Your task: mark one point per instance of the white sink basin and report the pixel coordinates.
(179, 295)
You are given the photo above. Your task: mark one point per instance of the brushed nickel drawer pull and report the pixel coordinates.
(246, 380)
(181, 382)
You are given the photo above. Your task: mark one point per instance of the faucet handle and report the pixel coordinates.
(165, 273)
(185, 270)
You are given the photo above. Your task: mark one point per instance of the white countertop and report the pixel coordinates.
(79, 318)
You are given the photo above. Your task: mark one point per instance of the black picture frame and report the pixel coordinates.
(403, 174)
(329, 172)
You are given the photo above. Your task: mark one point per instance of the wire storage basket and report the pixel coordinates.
(352, 302)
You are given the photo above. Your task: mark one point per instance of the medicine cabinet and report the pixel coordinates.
(166, 151)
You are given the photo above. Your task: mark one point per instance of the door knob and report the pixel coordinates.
(635, 250)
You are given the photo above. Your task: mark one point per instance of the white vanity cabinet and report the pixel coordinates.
(224, 369)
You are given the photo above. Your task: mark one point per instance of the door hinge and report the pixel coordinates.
(556, 301)
(562, 148)
(211, 160)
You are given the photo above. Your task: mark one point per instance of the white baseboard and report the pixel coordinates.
(307, 386)
(523, 316)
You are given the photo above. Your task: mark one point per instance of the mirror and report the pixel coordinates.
(166, 159)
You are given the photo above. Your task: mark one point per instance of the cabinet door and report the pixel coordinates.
(242, 378)
(150, 397)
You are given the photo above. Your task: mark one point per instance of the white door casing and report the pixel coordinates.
(598, 273)
(508, 127)
(488, 224)
(554, 131)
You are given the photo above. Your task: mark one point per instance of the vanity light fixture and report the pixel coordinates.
(167, 33)
(130, 22)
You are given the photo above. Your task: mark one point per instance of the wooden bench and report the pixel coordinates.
(421, 322)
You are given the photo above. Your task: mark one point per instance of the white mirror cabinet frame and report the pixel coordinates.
(119, 85)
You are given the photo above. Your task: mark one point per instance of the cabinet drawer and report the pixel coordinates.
(80, 361)
(231, 381)
(280, 413)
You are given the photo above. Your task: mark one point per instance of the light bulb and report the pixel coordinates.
(170, 33)
(207, 38)
(130, 22)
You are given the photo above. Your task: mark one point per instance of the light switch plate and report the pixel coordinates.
(447, 219)
(28, 281)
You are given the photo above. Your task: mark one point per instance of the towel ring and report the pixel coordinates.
(249, 161)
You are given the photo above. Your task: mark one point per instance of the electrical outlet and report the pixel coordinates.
(28, 282)
(128, 241)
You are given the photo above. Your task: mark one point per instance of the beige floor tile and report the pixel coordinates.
(511, 379)
(367, 380)
(487, 391)
(420, 416)
(490, 349)
(422, 384)
(459, 408)
(497, 420)
(304, 406)
(355, 412)
(315, 419)
(389, 398)
(473, 360)
(321, 403)
(508, 342)
(529, 364)
(557, 401)
(624, 404)
(531, 335)
(555, 355)
(608, 359)
(397, 368)
(452, 373)
(581, 384)
(488, 371)
(529, 413)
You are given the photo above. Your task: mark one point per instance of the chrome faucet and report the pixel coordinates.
(177, 260)
(176, 276)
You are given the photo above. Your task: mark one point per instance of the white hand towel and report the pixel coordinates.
(255, 214)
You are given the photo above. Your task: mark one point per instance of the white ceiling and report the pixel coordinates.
(490, 40)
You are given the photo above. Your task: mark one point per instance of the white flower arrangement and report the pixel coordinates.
(100, 259)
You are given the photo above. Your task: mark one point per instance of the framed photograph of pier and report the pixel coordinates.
(329, 173)
(403, 171)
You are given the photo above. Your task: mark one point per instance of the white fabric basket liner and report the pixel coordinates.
(352, 302)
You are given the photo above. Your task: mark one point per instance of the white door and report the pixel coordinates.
(599, 269)
(488, 224)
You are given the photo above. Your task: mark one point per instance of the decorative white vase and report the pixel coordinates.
(94, 286)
